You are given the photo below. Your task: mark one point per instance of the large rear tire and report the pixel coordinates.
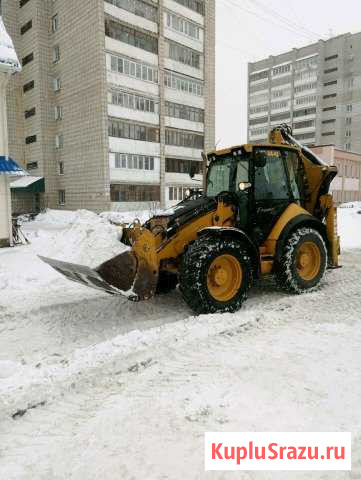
(303, 262)
(215, 275)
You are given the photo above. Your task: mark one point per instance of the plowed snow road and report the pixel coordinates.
(126, 391)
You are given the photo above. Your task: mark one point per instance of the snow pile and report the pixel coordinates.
(8, 57)
(84, 237)
(128, 217)
(349, 225)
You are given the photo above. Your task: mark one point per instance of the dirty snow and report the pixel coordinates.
(123, 390)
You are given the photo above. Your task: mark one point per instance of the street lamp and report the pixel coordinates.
(9, 64)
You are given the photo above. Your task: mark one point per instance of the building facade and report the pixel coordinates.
(116, 99)
(346, 187)
(316, 89)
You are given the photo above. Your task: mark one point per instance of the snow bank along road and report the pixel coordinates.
(94, 387)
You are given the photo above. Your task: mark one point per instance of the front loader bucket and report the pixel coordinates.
(121, 275)
(116, 276)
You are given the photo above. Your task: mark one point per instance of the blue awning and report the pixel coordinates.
(8, 166)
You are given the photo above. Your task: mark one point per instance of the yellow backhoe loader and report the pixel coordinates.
(265, 209)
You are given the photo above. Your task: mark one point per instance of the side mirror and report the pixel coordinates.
(242, 186)
(193, 171)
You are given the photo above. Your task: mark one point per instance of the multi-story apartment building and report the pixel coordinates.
(316, 89)
(116, 98)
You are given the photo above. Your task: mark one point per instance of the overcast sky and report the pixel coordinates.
(249, 30)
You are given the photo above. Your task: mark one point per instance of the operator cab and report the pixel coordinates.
(261, 181)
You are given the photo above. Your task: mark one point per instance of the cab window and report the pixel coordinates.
(242, 171)
(292, 163)
(219, 176)
(270, 176)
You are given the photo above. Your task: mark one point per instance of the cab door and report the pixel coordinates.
(271, 192)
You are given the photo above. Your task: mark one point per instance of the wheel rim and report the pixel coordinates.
(224, 278)
(308, 261)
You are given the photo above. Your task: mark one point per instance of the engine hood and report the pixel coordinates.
(185, 211)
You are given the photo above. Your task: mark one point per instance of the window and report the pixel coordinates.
(57, 84)
(307, 63)
(181, 138)
(258, 98)
(348, 146)
(184, 112)
(177, 165)
(348, 121)
(59, 141)
(307, 99)
(133, 101)
(30, 113)
(26, 27)
(306, 75)
(270, 180)
(31, 139)
(261, 108)
(177, 193)
(328, 134)
(258, 87)
(330, 70)
(56, 54)
(285, 92)
(330, 95)
(348, 133)
(134, 162)
(331, 57)
(124, 129)
(61, 168)
(183, 25)
(55, 23)
(129, 35)
(332, 82)
(328, 109)
(331, 120)
(133, 68)
(305, 124)
(22, 3)
(349, 108)
(183, 54)
(58, 111)
(257, 121)
(184, 84)
(134, 193)
(305, 136)
(196, 5)
(32, 166)
(28, 86)
(29, 58)
(61, 197)
(259, 131)
(259, 76)
(219, 176)
(304, 112)
(306, 86)
(281, 69)
(350, 83)
(280, 116)
(138, 7)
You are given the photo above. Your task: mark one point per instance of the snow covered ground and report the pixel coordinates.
(93, 386)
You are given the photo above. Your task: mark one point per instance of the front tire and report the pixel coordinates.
(303, 261)
(215, 275)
